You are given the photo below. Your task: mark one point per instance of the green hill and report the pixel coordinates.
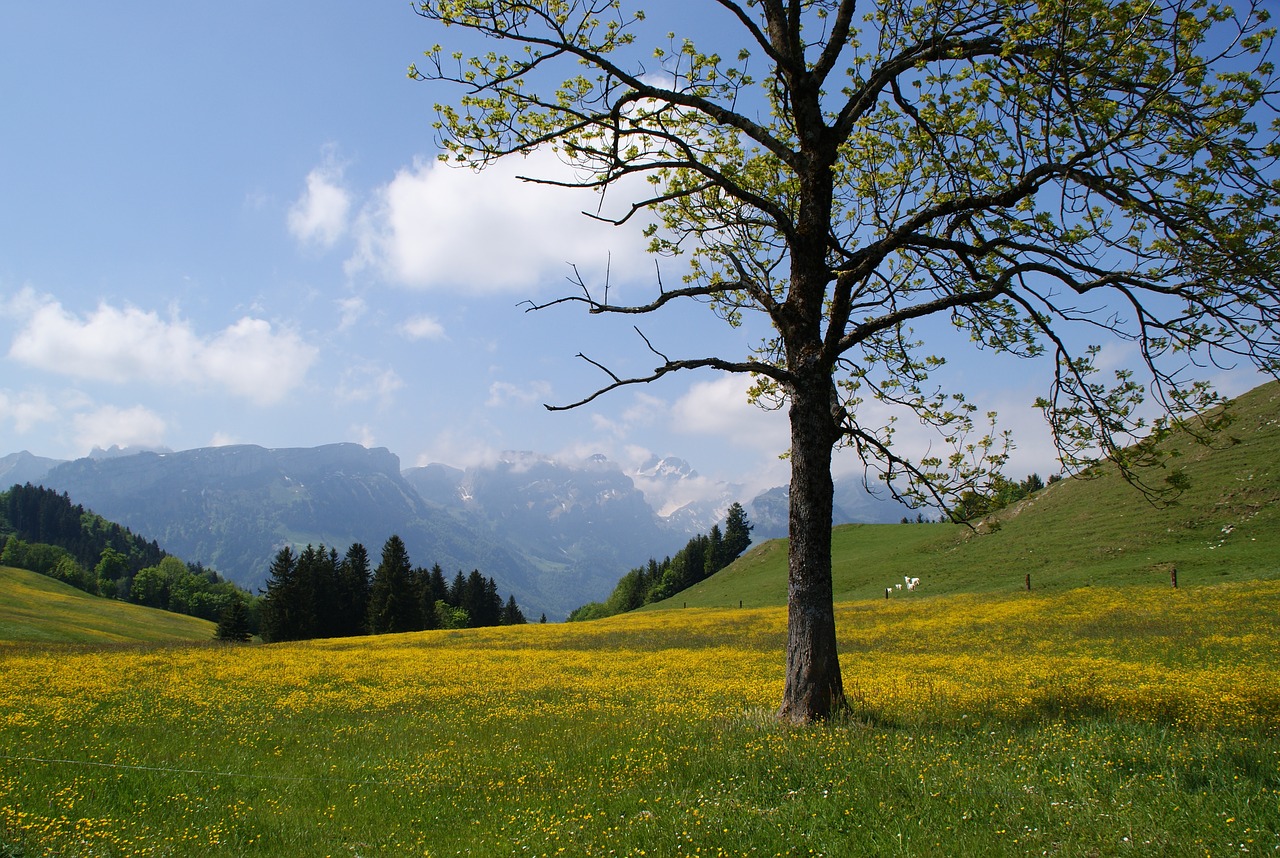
(35, 608)
(1084, 531)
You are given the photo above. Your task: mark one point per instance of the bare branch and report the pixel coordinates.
(668, 368)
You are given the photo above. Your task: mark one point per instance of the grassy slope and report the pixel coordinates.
(1076, 533)
(39, 609)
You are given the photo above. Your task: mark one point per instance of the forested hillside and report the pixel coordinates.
(44, 532)
(36, 514)
(702, 557)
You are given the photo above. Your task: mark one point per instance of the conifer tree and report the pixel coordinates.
(354, 582)
(511, 614)
(491, 604)
(312, 594)
(737, 532)
(278, 605)
(715, 559)
(233, 624)
(457, 596)
(393, 605)
(434, 590)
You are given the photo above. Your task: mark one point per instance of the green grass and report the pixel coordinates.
(37, 608)
(1102, 714)
(1063, 724)
(1080, 532)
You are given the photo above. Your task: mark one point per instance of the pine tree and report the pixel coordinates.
(475, 599)
(393, 606)
(491, 604)
(354, 579)
(233, 624)
(278, 608)
(511, 614)
(430, 588)
(311, 587)
(715, 559)
(737, 532)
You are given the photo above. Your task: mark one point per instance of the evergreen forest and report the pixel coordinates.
(702, 556)
(317, 594)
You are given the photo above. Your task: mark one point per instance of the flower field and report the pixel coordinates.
(1130, 721)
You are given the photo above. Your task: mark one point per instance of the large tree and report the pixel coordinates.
(1041, 177)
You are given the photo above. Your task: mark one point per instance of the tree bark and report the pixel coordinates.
(814, 688)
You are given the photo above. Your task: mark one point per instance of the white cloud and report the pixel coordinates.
(253, 361)
(223, 439)
(645, 410)
(27, 410)
(368, 383)
(320, 215)
(437, 226)
(502, 393)
(249, 358)
(719, 408)
(422, 328)
(110, 345)
(125, 427)
(609, 426)
(365, 435)
(459, 449)
(351, 310)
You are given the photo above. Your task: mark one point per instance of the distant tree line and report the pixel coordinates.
(44, 532)
(317, 594)
(701, 557)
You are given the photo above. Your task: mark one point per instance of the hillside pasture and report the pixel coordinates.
(1087, 531)
(38, 609)
(1096, 721)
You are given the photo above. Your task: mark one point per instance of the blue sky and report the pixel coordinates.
(224, 223)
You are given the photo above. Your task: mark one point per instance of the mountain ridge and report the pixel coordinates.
(551, 532)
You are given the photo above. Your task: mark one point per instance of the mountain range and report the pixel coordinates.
(553, 533)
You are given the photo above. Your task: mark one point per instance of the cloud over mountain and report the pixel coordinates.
(249, 358)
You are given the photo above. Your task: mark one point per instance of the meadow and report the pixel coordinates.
(1097, 721)
(1102, 713)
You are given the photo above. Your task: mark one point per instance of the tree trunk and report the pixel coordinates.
(814, 688)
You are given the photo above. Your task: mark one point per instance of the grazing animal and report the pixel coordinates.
(897, 586)
(912, 583)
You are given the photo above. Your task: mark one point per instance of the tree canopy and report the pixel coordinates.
(1043, 178)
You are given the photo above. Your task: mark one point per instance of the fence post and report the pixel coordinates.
(1028, 580)
(1173, 576)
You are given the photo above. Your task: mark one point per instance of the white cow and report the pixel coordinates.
(912, 583)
